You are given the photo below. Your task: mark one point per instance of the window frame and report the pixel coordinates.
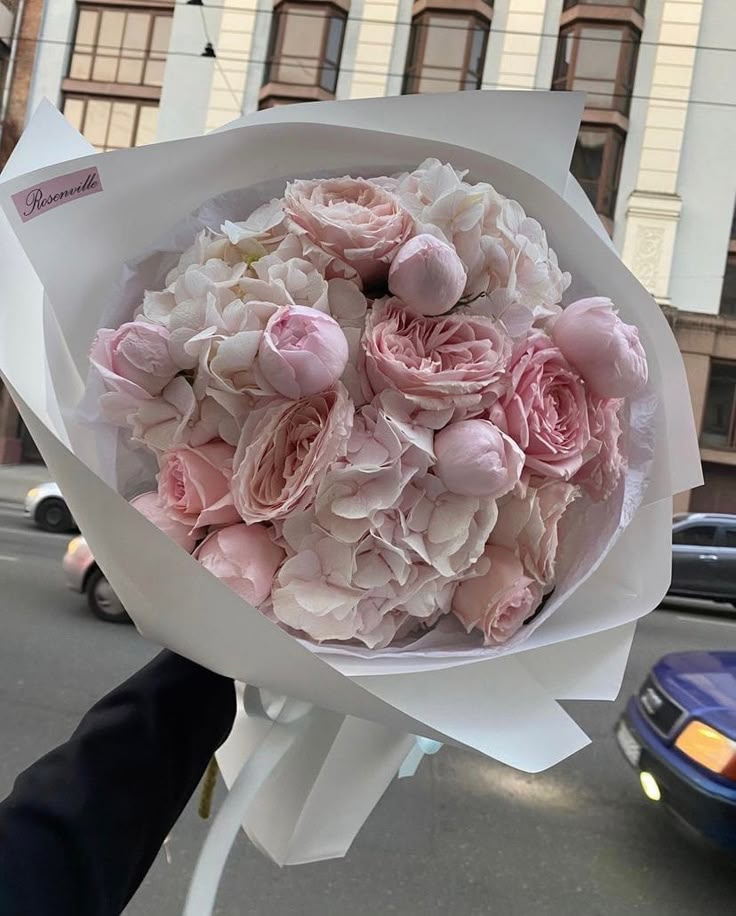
(731, 435)
(636, 5)
(627, 62)
(272, 86)
(151, 8)
(417, 47)
(727, 305)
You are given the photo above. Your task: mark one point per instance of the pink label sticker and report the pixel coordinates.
(56, 191)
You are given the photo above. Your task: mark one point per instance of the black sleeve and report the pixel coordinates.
(83, 825)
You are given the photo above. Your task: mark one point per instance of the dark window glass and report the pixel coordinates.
(110, 123)
(718, 422)
(730, 537)
(120, 46)
(306, 45)
(446, 53)
(728, 294)
(696, 536)
(596, 163)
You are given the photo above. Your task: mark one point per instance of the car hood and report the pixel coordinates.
(704, 684)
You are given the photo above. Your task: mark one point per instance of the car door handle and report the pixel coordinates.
(708, 556)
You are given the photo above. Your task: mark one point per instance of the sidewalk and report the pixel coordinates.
(17, 479)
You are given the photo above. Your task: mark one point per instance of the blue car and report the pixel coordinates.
(679, 734)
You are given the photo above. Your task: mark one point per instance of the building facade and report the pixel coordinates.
(655, 152)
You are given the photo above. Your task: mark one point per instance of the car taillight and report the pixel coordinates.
(708, 747)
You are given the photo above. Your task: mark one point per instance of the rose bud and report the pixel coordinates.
(427, 275)
(150, 506)
(498, 602)
(136, 353)
(606, 352)
(302, 352)
(474, 458)
(244, 557)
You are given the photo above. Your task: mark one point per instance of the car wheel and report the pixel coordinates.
(103, 602)
(53, 515)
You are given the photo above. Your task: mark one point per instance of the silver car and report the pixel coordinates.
(48, 509)
(84, 575)
(704, 557)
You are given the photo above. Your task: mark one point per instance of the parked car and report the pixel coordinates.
(704, 557)
(48, 509)
(85, 576)
(679, 733)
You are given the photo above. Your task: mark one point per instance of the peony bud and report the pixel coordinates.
(427, 275)
(302, 352)
(474, 458)
(605, 351)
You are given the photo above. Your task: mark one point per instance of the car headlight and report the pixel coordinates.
(708, 747)
(32, 494)
(73, 546)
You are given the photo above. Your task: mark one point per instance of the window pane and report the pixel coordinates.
(300, 39)
(86, 28)
(597, 65)
(136, 32)
(147, 120)
(81, 66)
(154, 75)
(110, 37)
(74, 112)
(697, 536)
(122, 122)
(445, 42)
(719, 406)
(161, 33)
(96, 121)
(334, 39)
(476, 59)
(728, 294)
(587, 161)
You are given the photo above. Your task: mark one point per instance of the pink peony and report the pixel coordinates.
(350, 220)
(150, 506)
(606, 352)
(302, 352)
(600, 475)
(427, 275)
(244, 557)
(133, 357)
(194, 484)
(544, 409)
(284, 451)
(498, 602)
(528, 525)
(474, 458)
(454, 364)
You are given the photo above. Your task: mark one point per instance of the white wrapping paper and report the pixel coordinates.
(503, 707)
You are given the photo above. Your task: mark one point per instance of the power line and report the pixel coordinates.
(357, 70)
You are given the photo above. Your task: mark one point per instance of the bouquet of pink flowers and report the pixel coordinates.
(371, 412)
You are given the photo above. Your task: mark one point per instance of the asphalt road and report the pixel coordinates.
(464, 837)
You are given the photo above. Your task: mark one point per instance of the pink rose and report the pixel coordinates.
(427, 275)
(285, 450)
(545, 409)
(302, 352)
(499, 601)
(607, 352)
(349, 219)
(600, 475)
(194, 484)
(244, 557)
(474, 458)
(528, 526)
(454, 363)
(150, 506)
(134, 356)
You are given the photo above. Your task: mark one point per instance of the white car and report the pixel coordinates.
(48, 509)
(84, 575)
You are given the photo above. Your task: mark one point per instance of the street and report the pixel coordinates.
(465, 836)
